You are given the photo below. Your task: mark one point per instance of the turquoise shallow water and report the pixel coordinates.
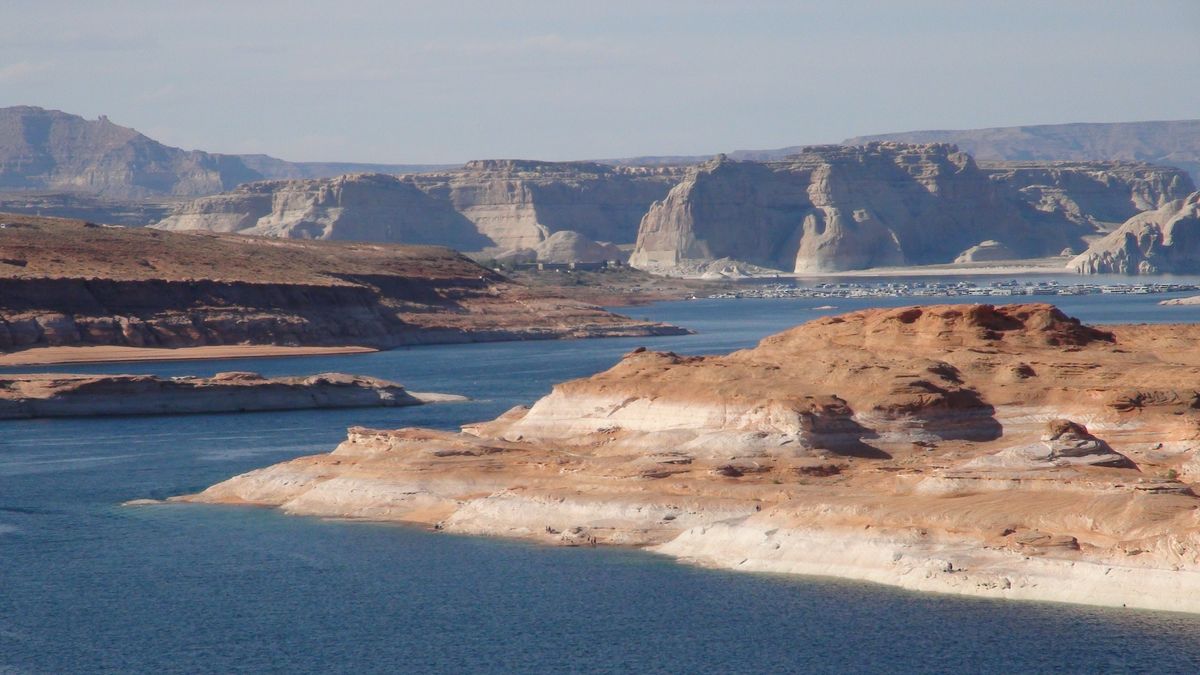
(89, 586)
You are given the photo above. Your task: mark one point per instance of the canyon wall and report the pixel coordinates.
(520, 203)
(490, 205)
(354, 207)
(835, 208)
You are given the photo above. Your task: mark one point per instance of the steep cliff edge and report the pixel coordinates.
(1163, 241)
(72, 283)
(1007, 452)
(834, 208)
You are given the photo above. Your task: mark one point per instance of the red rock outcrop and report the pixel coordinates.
(1005, 451)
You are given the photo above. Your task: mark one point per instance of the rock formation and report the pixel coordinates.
(834, 208)
(493, 205)
(355, 207)
(66, 283)
(1163, 241)
(1005, 451)
(1099, 195)
(46, 395)
(519, 203)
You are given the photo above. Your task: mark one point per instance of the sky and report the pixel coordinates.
(452, 80)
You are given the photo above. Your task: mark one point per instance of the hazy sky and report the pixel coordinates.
(447, 81)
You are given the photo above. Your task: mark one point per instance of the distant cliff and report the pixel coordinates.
(1173, 143)
(496, 205)
(356, 207)
(1097, 194)
(1163, 241)
(835, 208)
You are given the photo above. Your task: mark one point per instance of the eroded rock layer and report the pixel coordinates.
(70, 283)
(1000, 451)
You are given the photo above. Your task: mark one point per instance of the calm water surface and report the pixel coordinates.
(89, 586)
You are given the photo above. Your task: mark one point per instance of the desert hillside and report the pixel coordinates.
(76, 283)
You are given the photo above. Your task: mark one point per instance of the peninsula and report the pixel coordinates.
(73, 284)
(999, 451)
(56, 395)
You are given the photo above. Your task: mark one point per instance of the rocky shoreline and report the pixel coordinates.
(59, 395)
(1007, 452)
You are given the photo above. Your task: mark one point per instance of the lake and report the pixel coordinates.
(87, 585)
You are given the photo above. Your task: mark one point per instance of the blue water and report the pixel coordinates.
(89, 586)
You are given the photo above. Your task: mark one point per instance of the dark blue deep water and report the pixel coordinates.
(89, 586)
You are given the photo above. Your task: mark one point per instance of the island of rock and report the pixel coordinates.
(58, 395)
(1002, 451)
(68, 283)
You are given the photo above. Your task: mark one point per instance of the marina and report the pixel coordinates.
(949, 289)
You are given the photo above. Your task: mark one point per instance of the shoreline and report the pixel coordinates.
(760, 545)
(950, 568)
(52, 356)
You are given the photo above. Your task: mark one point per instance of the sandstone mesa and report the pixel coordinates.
(1006, 452)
